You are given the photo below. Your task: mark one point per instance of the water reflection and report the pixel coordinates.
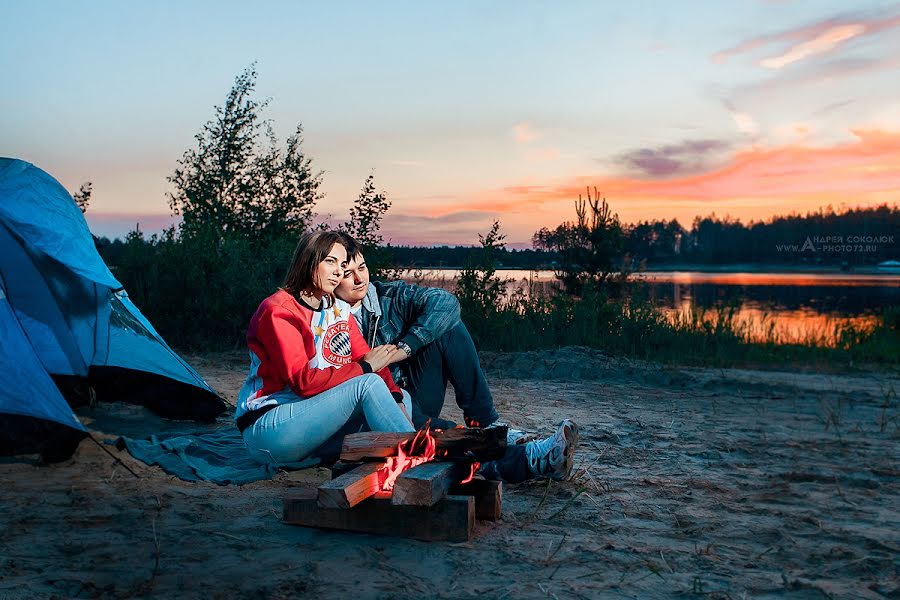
(783, 307)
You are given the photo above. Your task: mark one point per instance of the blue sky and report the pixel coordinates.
(471, 111)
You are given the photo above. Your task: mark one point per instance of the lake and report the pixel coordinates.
(789, 306)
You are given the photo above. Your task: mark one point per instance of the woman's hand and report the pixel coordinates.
(381, 356)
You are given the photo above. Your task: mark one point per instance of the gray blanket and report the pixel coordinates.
(216, 455)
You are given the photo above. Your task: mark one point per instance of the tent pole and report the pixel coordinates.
(113, 456)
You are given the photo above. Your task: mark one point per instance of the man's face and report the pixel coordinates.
(353, 287)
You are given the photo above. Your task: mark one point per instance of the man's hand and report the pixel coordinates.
(381, 356)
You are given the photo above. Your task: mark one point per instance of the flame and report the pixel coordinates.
(471, 476)
(411, 453)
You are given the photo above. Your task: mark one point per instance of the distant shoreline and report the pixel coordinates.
(712, 268)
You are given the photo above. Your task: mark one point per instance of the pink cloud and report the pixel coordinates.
(826, 41)
(524, 133)
(810, 40)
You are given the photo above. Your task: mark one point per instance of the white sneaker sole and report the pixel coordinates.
(571, 434)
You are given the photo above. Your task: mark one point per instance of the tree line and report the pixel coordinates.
(244, 197)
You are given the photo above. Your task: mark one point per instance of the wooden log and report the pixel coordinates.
(488, 497)
(340, 467)
(352, 487)
(452, 519)
(426, 484)
(451, 444)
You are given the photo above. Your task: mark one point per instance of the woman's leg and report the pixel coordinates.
(330, 450)
(292, 431)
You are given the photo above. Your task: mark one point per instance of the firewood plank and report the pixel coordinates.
(488, 497)
(452, 519)
(451, 444)
(341, 467)
(352, 487)
(426, 484)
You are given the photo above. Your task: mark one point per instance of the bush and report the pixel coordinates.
(200, 291)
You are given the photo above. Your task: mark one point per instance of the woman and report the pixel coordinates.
(312, 375)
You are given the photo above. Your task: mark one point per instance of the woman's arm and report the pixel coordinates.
(359, 348)
(287, 341)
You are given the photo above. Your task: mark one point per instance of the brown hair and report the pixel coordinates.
(312, 249)
(354, 248)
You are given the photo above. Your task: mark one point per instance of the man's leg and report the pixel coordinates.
(512, 468)
(453, 358)
(550, 458)
(426, 383)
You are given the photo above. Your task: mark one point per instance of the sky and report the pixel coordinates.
(467, 112)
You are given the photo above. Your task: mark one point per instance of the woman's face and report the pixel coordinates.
(330, 271)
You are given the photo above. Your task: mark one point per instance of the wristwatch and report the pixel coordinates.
(405, 347)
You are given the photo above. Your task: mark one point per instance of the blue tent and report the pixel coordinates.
(69, 332)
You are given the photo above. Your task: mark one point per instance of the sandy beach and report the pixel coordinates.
(688, 483)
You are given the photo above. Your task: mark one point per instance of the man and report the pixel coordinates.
(425, 323)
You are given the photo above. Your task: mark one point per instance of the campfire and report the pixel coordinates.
(420, 449)
(420, 484)
(416, 451)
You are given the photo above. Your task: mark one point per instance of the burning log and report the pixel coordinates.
(408, 494)
(428, 483)
(352, 487)
(467, 444)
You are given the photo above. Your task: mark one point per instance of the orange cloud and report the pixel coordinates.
(756, 182)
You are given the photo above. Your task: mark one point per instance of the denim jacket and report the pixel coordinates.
(396, 311)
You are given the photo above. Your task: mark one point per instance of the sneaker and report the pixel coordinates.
(513, 436)
(553, 457)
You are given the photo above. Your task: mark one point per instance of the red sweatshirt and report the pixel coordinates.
(307, 350)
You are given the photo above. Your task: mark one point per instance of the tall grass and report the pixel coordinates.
(631, 325)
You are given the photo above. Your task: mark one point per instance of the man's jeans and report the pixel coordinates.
(452, 358)
(300, 427)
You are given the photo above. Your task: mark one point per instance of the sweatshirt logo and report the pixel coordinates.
(336, 344)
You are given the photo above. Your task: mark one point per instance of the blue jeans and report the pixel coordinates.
(452, 359)
(298, 427)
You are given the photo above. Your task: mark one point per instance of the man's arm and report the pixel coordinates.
(427, 312)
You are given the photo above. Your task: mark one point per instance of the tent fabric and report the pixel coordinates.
(64, 315)
(40, 210)
(27, 379)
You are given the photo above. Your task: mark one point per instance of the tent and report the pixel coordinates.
(69, 332)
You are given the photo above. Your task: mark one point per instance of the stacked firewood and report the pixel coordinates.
(436, 500)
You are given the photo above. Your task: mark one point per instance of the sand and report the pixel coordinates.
(688, 483)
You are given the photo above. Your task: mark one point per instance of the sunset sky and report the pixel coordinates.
(472, 111)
